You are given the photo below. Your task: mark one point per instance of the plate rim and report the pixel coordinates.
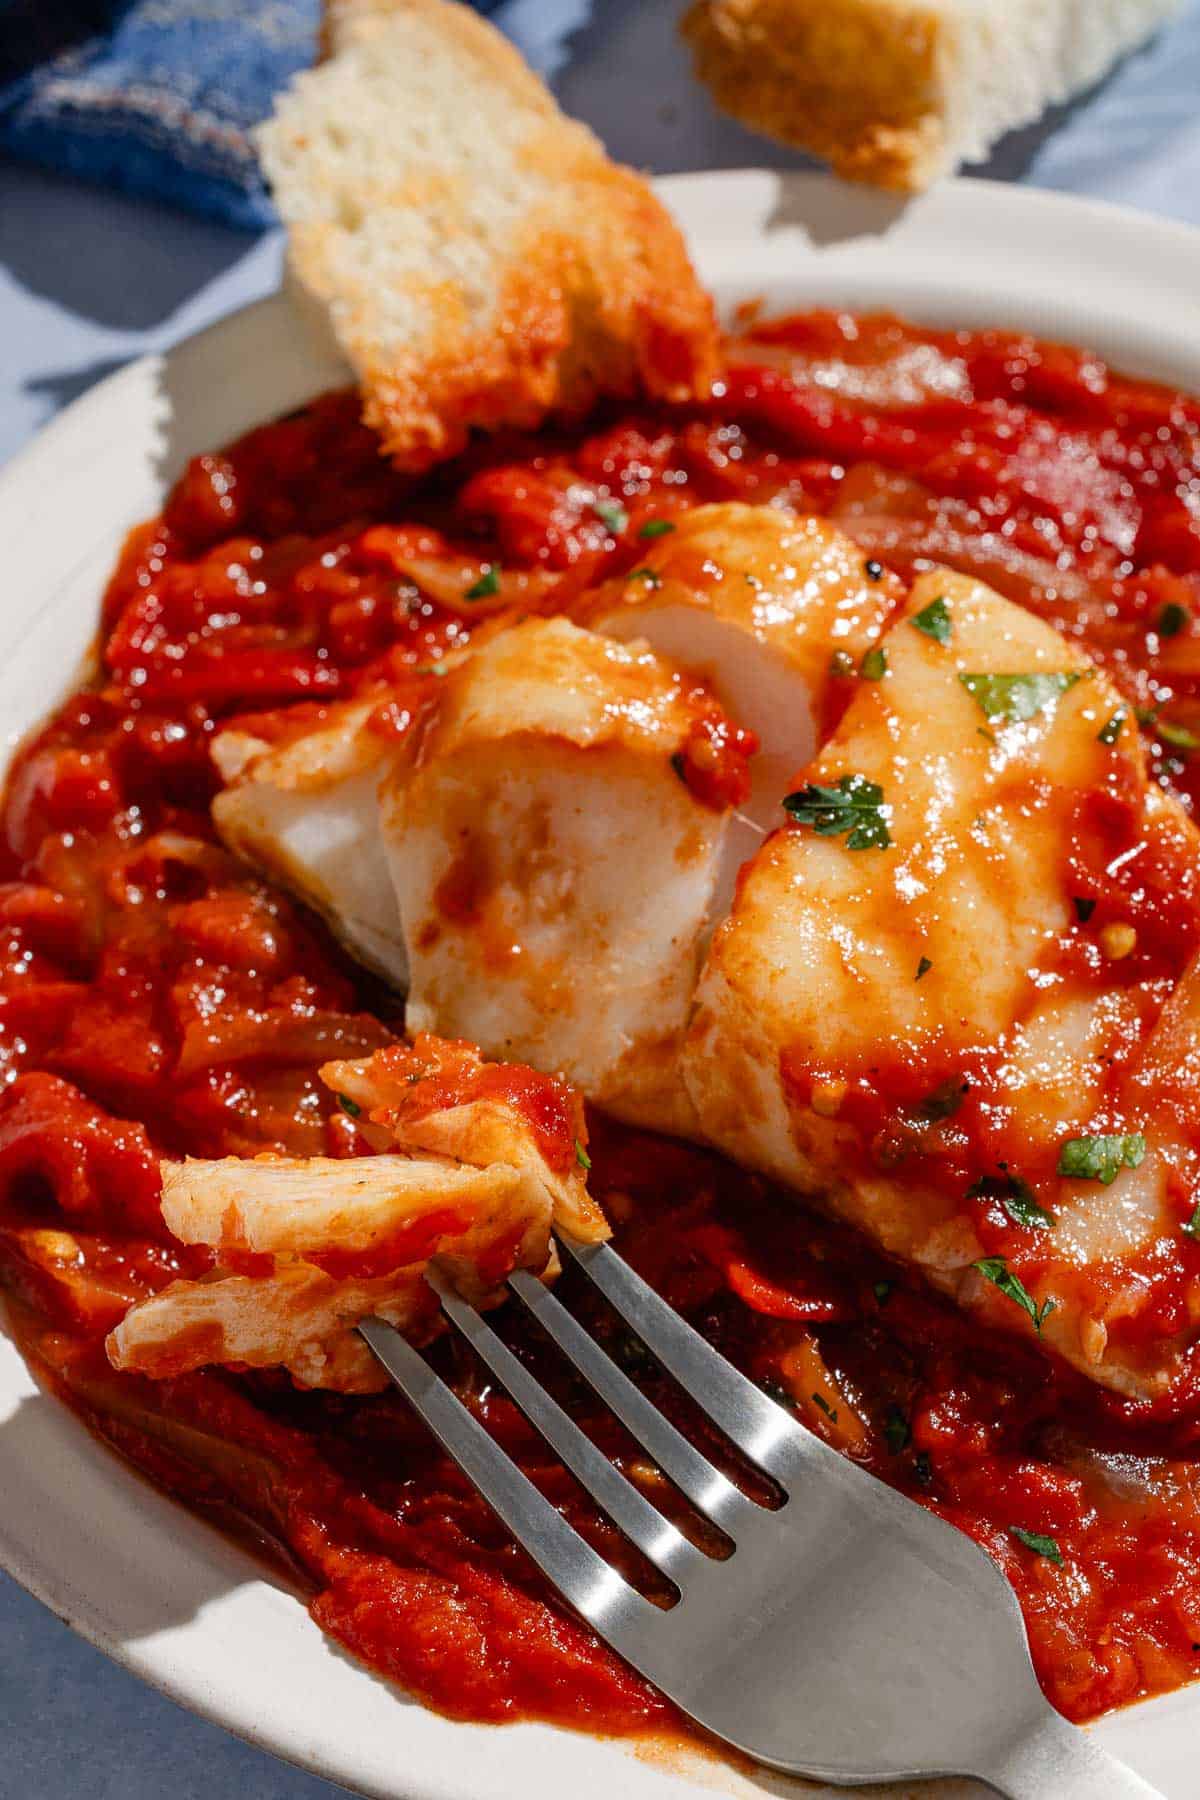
(723, 226)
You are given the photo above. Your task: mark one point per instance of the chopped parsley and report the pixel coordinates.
(488, 583)
(651, 577)
(1111, 730)
(873, 570)
(923, 967)
(1101, 1158)
(612, 515)
(775, 1390)
(656, 528)
(581, 1156)
(1192, 1225)
(943, 1103)
(1178, 736)
(896, 1431)
(854, 806)
(829, 1411)
(1172, 619)
(873, 666)
(1083, 908)
(883, 1291)
(934, 620)
(996, 1270)
(1039, 1544)
(349, 1106)
(1016, 1197)
(841, 663)
(1012, 699)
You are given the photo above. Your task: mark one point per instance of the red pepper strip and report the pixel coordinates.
(723, 1247)
(235, 679)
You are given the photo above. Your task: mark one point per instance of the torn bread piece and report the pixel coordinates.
(305, 811)
(555, 848)
(483, 1160)
(898, 92)
(936, 1005)
(771, 610)
(480, 260)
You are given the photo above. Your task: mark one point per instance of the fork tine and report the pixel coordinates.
(761, 1430)
(641, 1522)
(580, 1575)
(708, 1490)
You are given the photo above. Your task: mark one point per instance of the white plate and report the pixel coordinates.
(138, 1575)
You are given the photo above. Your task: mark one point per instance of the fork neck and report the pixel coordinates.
(1058, 1761)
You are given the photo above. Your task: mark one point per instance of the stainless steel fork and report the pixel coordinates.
(851, 1636)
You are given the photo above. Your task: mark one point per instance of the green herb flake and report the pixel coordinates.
(1101, 1158)
(581, 1156)
(873, 666)
(934, 620)
(1083, 908)
(923, 1467)
(1178, 736)
(1192, 1225)
(488, 583)
(350, 1107)
(829, 1411)
(854, 806)
(942, 1103)
(775, 1390)
(873, 570)
(1013, 699)
(1172, 619)
(996, 1270)
(896, 1431)
(1016, 1197)
(651, 577)
(883, 1291)
(1111, 730)
(656, 528)
(612, 515)
(841, 664)
(1038, 1543)
(923, 967)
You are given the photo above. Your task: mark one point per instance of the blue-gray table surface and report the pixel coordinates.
(89, 279)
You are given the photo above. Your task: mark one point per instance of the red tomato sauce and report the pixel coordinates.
(157, 997)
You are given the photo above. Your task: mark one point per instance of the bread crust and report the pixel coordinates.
(591, 292)
(859, 83)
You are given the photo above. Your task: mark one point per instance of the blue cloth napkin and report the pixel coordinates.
(155, 96)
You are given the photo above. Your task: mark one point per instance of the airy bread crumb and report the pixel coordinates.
(481, 261)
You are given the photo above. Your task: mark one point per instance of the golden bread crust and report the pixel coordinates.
(592, 291)
(859, 83)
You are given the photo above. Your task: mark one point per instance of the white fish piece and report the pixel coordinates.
(306, 1247)
(440, 1097)
(555, 869)
(306, 812)
(764, 605)
(952, 968)
(299, 1319)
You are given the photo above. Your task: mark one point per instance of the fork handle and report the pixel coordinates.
(1060, 1762)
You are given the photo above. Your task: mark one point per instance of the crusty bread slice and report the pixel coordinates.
(482, 261)
(897, 92)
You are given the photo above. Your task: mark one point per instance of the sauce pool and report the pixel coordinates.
(156, 997)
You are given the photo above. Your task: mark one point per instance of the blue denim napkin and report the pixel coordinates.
(154, 96)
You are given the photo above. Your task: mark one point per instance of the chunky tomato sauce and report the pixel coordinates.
(156, 997)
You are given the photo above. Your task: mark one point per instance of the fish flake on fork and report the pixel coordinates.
(851, 1636)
